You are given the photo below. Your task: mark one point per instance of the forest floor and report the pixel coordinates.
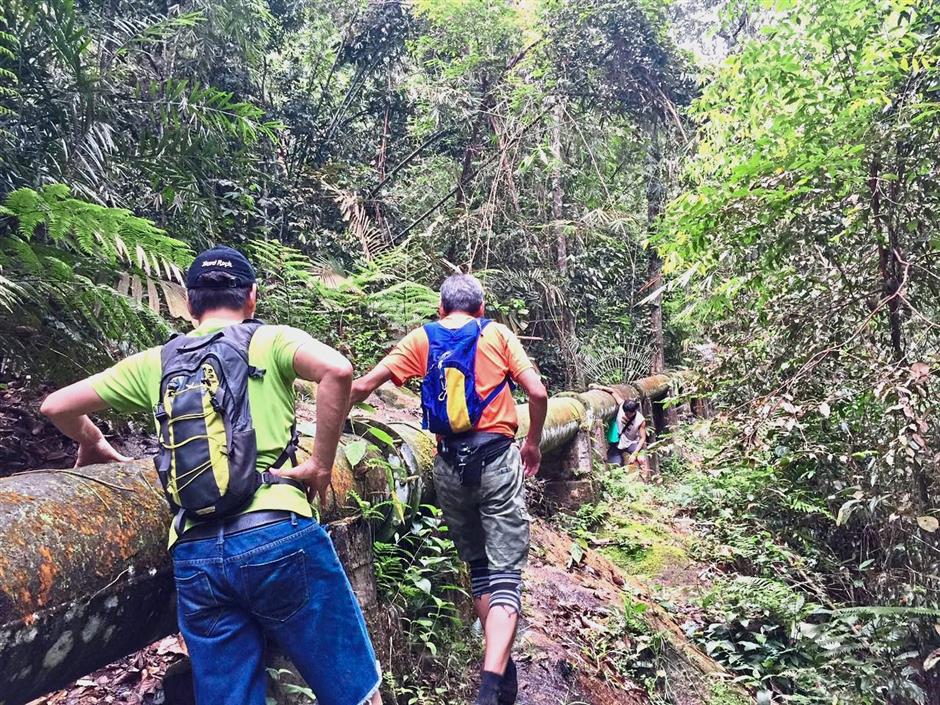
(611, 591)
(28, 440)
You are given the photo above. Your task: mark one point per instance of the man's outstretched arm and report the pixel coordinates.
(618, 397)
(530, 381)
(68, 409)
(368, 383)
(333, 374)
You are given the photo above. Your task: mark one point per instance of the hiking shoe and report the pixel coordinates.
(489, 689)
(509, 688)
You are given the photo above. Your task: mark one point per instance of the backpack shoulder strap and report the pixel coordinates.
(434, 330)
(507, 382)
(240, 335)
(170, 348)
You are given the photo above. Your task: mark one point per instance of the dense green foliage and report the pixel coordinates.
(811, 205)
(507, 139)
(360, 150)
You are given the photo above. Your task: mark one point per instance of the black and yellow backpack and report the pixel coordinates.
(207, 457)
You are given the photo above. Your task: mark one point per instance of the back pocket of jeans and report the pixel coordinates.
(277, 589)
(199, 611)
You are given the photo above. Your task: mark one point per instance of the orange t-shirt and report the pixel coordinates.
(499, 354)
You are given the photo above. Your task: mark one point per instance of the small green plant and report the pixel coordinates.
(789, 649)
(279, 676)
(421, 579)
(621, 645)
(585, 521)
(722, 694)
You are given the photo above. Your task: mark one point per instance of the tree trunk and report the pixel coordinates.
(655, 194)
(887, 264)
(473, 145)
(558, 191)
(567, 330)
(381, 159)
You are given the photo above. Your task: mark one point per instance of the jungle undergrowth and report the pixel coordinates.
(763, 608)
(776, 616)
(421, 582)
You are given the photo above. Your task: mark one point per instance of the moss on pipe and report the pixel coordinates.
(563, 420)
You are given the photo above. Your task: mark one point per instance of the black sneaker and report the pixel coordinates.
(509, 688)
(488, 698)
(489, 688)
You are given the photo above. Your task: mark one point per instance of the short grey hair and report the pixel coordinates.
(461, 292)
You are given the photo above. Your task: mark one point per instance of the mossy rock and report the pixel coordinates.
(722, 694)
(643, 549)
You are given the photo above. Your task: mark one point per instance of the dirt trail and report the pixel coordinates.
(565, 610)
(593, 631)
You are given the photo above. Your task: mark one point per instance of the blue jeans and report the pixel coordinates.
(282, 582)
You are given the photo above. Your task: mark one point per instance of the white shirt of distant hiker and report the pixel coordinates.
(629, 432)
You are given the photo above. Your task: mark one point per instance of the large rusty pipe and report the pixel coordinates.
(565, 416)
(83, 573)
(85, 576)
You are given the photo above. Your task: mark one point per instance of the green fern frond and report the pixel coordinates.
(92, 230)
(55, 250)
(404, 303)
(212, 110)
(131, 33)
(10, 293)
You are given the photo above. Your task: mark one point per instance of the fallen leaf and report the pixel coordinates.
(933, 658)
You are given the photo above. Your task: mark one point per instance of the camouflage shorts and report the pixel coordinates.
(489, 522)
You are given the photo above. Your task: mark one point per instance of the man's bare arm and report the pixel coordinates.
(68, 409)
(333, 374)
(530, 381)
(618, 397)
(368, 383)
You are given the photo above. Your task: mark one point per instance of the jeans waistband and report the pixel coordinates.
(232, 525)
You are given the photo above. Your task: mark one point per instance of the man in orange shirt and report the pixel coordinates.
(469, 364)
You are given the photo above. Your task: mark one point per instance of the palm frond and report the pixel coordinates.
(58, 257)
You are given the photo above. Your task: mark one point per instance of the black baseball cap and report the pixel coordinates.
(220, 259)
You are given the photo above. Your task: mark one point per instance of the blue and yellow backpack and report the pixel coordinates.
(449, 398)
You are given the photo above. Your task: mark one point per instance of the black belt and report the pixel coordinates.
(235, 524)
(468, 454)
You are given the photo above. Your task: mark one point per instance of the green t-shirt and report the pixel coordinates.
(134, 385)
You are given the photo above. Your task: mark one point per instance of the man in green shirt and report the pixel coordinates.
(269, 571)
